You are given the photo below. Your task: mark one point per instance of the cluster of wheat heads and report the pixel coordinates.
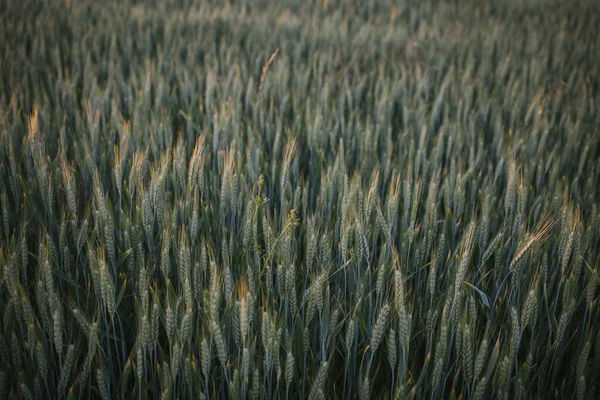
(400, 202)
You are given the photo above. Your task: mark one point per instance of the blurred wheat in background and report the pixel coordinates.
(337, 199)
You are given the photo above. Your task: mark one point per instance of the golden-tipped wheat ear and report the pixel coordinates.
(265, 68)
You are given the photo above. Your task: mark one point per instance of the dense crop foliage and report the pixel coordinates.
(332, 199)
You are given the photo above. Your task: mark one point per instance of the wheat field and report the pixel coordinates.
(299, 199)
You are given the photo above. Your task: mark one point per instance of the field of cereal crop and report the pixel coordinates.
(299, 199)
